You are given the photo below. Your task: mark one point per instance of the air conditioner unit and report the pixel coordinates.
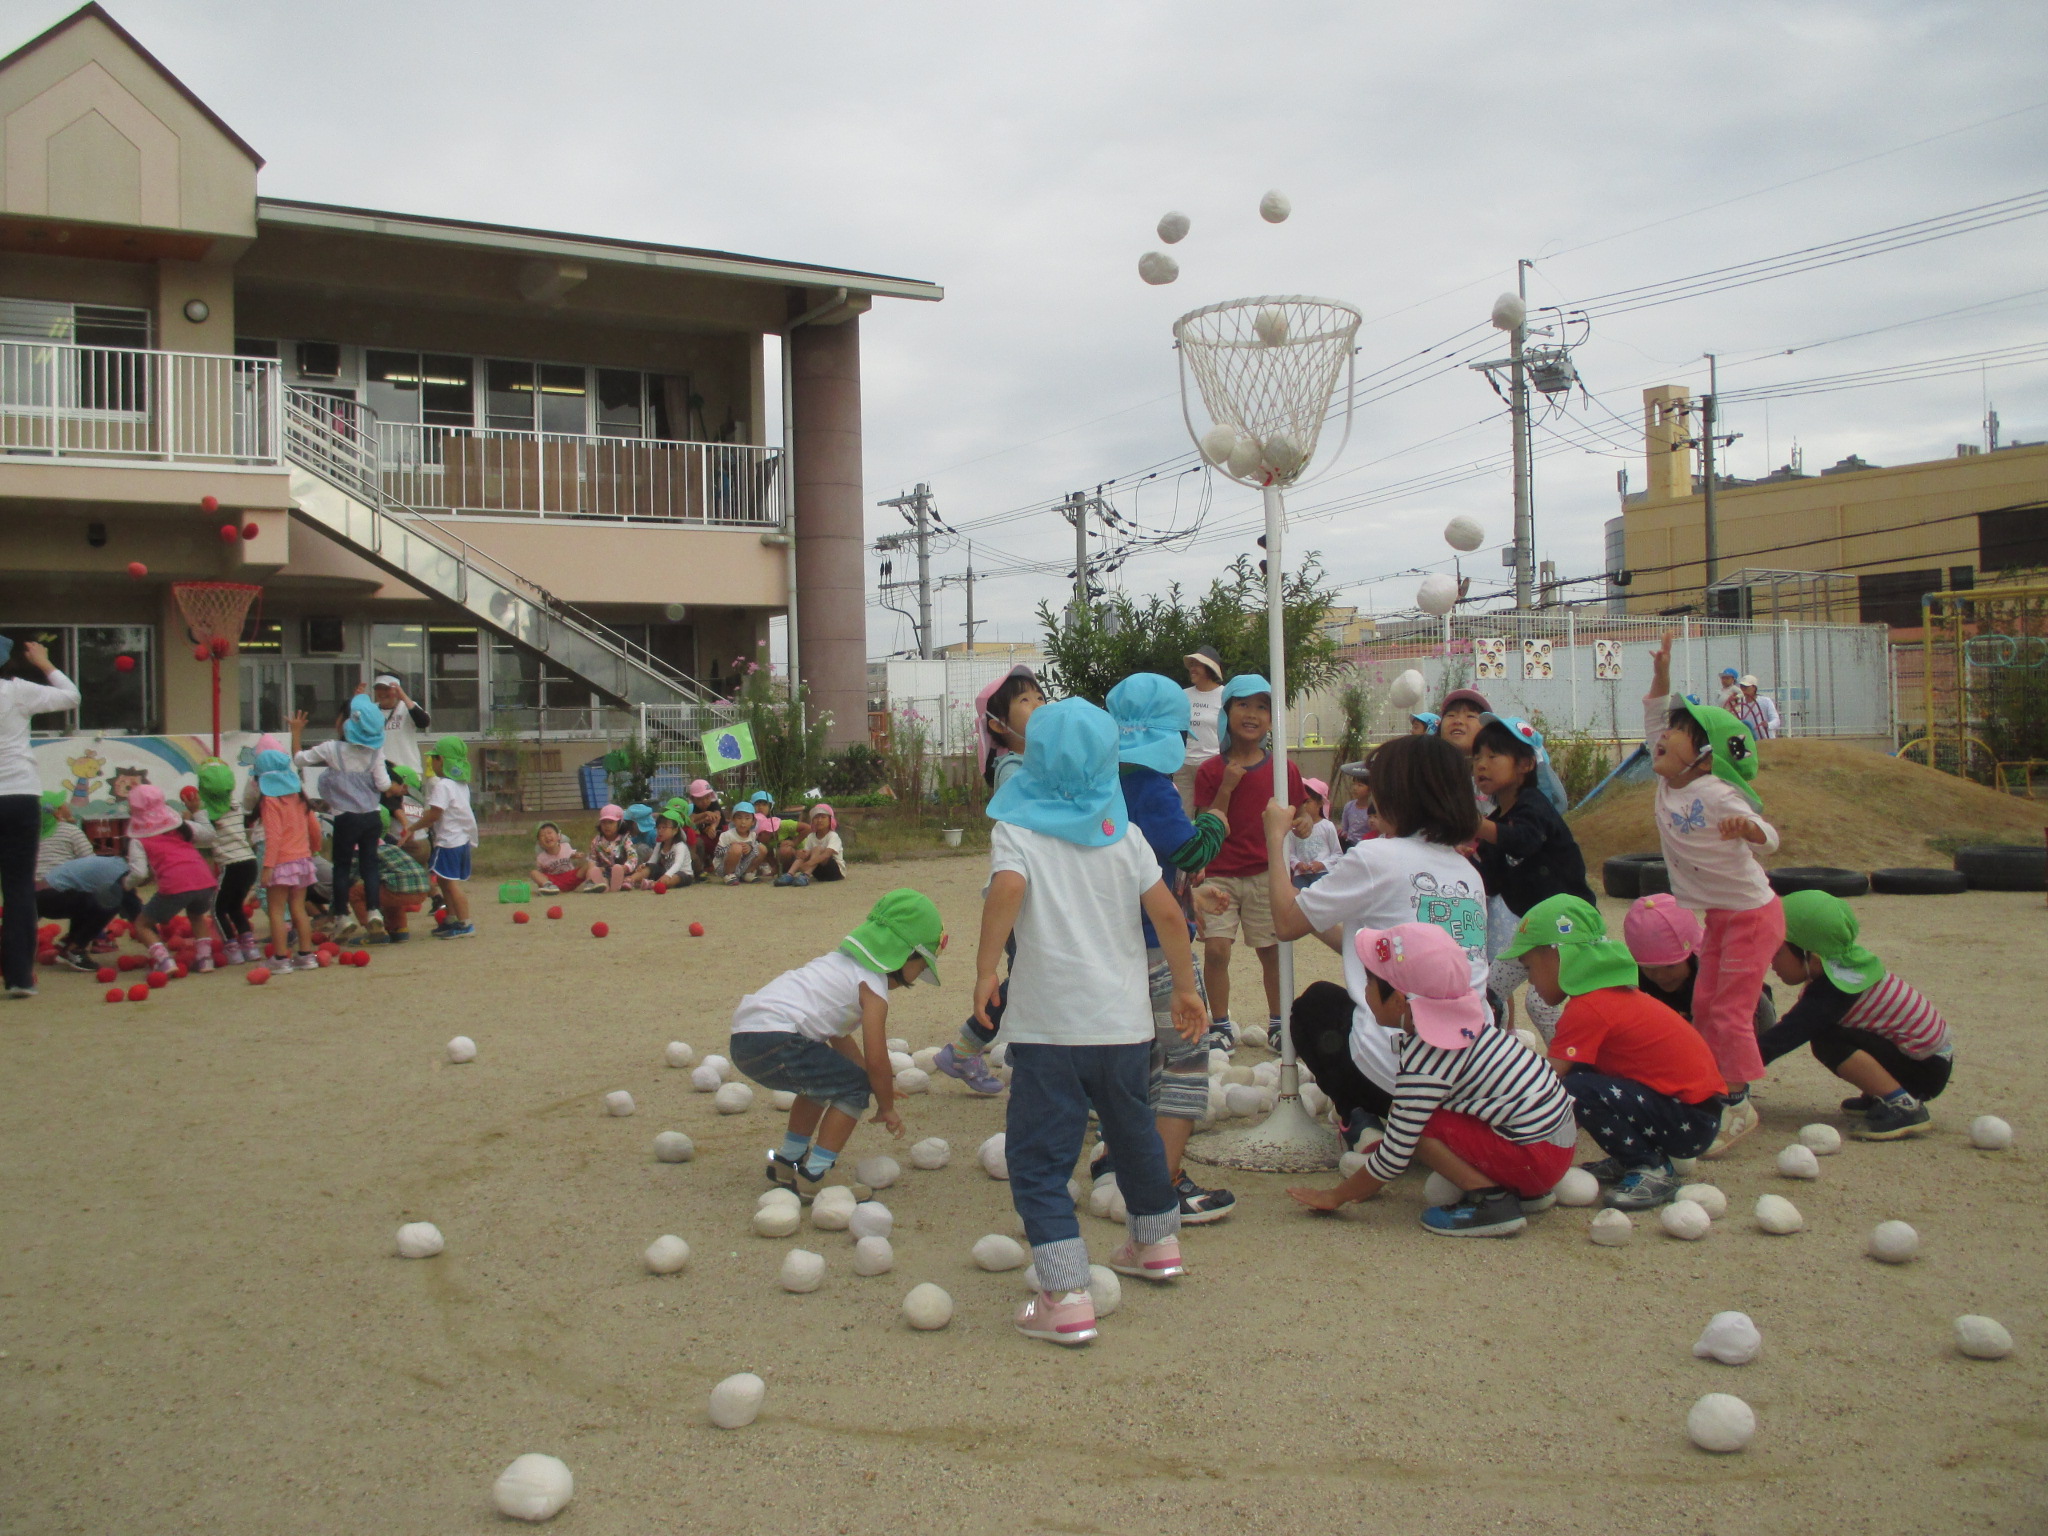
(319, 359)
(324, 637)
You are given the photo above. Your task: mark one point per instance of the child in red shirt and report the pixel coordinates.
(1646, 1085)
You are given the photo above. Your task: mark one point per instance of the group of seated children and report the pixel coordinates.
(691, 839)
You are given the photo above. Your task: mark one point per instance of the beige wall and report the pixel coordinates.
(636, 564)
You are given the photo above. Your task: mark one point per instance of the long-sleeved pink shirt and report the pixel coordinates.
(1708, 873)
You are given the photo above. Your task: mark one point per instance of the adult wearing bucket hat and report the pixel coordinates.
(1205, 715)
(1758, 711)
(21, 812)
(1068, 876)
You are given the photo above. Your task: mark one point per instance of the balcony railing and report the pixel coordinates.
(544, 474)
(126, 405)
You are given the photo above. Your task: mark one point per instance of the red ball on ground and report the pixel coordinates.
(138, 993)
(521, 917)
(209, 503)
(661, 887)
(270, 951)
(137, 569)
(259, 976)
(105, 974)
(229, 533)
(250, 530)
(124, 663)
(554, 911)
(159, 979)
(118, 928)
(696, 930)
(116, 995)
(46, 957)
(129, 962)
(599, 930)
(327, 957)
(180, 971)
(200, 653)
(361, 958)
(221, 645)
(48, 932)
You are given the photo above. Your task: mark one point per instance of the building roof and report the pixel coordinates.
(559, 245)
(97, 12)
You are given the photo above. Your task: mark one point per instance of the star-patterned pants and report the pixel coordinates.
(1635, 1123)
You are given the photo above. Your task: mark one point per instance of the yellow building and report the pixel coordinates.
(1855, 543)
(525, 470)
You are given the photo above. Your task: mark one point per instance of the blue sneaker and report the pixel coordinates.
(456, 931)
(971, 1070)
(1492, 1212)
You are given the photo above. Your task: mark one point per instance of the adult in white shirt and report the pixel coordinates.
(21, 807)
(403, 722)
(1758, 711)
(1205, 713)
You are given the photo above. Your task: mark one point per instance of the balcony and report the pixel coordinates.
(126, 406)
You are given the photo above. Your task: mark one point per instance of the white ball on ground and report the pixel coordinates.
(1107, 1202)
(1685, 1220)
(1314, 1100)
(420, 1240)
(1219, 1105)
(1464, 534)
(1894, 1242)
(878, 1172)
(1173, 227)
(674, 1147)
(996, 1252)
(533, 1488)
(720, 1065)
(832, 1211)
(1578, 1187)
(1105, 1289)
(1437, 595)
(679, 1054)
(1798, 1162)
(1266, 1074)
(1237, 1075)
(782, 1098)
(1158, 268)
(900, 1061)
(873, 1255)
(736, 1401)
(913, 1081)
(932, 1152)
(1219, 1063)
(1438, 1190)
(1982, 1338)
(994, 1156)
(1729, 1337)
(927, 1307)
(461, 1049)
(1707, 1197)
(1270, 326)
(1349, 1163)
(1531, 1041)
(997, 1056)
(926, 1059)
(1274, 207)
(871, 1218)
(1407, 689)
(802, 1271)
(1218, 444)
(1778, 1216)
(618, 1102)
(705, 1078)
(1610, 1229)
(1720, 1423)
(779, 1195)
(1988, 1133)
(777, 1219)
(1820, 1140)
(1244, 458)
(666, 1255)
(1241, 1099)
(733, 1099)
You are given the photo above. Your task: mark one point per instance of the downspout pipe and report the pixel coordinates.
(838, 299)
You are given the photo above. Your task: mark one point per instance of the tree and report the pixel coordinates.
(1126, 635)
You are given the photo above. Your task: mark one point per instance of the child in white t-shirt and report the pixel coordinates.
(1411, 873)
(797, 1035)
(1068, 875)
(453, 825)
(740, 850)
(1312, 842)
(822, 856)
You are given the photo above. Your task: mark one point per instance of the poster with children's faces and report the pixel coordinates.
(1536, 665)
(1607, 660)
(1490, 659)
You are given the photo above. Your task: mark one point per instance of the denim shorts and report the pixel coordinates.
(810, 1069)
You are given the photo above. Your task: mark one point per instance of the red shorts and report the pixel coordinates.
(1529, 1168)
(567, 881)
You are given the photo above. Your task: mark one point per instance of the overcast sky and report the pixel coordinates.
(1021, 155)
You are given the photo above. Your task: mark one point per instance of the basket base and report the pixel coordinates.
(1289, 1140)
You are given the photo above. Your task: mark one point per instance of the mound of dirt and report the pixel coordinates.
(1839, 805)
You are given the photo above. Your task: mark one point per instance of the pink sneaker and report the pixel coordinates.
(1069, 1319)
(1149, 1261)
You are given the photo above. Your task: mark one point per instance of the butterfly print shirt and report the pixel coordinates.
(1708, 874)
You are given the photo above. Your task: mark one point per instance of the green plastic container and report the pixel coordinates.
(512, 892)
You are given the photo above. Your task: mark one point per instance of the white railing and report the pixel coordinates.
(545, 474)
(117, 403)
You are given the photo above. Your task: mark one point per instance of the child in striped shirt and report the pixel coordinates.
(1863, 1023)
(1470, 1100)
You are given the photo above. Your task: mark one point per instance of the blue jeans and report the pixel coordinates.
(810, 1069)
(1051, 1090)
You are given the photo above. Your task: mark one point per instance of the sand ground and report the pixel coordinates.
(205, 1327)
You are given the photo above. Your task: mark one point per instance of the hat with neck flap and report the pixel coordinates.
(1068, 787)
(1732, 744)
(1151, 713)
(1826, 926)
(1587, 959)
(902, 925)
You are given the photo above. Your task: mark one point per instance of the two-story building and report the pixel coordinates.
(527, 472)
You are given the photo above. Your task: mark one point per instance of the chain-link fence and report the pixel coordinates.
(1976, 688)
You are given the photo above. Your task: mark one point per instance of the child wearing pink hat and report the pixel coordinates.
(164, 847)
(1470, 1100)
(1665, 940)
(1313, 845)
(613, 854)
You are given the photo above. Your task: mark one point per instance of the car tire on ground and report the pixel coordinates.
(1819, 877)
(2004, 867)
(1654, 878)
(1621, 876)
(1918, 882)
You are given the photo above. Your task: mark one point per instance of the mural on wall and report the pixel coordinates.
(97, 772)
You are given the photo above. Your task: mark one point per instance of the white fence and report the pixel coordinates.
(940, 696)
(65, 402)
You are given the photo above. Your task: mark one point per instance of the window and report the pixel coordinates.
(113, 700)
(454, 673)
(2013, 538)
(562, 394)
(509, 395)
(1893, 597)
(619, 412)
(85, 325)
(435, 388)
(401, 651)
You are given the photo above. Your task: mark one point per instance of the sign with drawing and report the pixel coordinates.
(1607, 661)
(1490, 659)
(1536, 661)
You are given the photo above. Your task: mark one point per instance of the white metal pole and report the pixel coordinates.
(1276, 674)
(1571, 650)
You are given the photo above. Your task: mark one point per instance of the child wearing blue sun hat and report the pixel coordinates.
(1069, 875)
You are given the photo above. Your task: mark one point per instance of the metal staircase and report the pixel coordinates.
(330, 444)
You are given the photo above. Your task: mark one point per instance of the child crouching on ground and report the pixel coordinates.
(403, 885)
(796, 1035)
(1864, 1024)
(740, 849)
(1665, 939)
(1068, 875)
(163, 846)
(1647, 1087)
(1469, 1100)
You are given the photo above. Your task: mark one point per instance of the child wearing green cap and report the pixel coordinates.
(796, 1035)
(452, 825)
(1647, 1088)
(1710, 824)
(1862, 1023)
(235, 857)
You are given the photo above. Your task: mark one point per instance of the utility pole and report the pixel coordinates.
(1076, 512)
(1525, 489)
(917, 511)
(969, 626)
(1707, 442)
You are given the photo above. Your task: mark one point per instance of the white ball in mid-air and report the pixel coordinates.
(1406, 690)
(1274, 207)
(1244, 458)
(1173, 228)
(1509, 311)
(1158, 268)
(1464, 534)
(1437, 595)
(1270, 325)
(1218, 444)
(1283, 455)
